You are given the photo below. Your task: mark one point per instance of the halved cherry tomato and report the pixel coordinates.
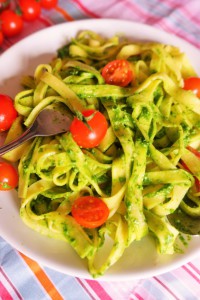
(193, 84)
(118, 72)
(89, 211)
(8, 176)
(8, 112)
(90, 131)
(30, 9)
(194, 151)
(48, 4)
(11, 23)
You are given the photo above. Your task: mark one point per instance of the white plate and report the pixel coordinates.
(141, 259)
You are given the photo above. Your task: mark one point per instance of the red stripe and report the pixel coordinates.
(192, 18)
(6, 44)
(166, 288)
(191, 274)
(10, 283)
(138, 296)
(194, 268)
(85, 288)
(99, 290)
(86, 10)
(4, 293)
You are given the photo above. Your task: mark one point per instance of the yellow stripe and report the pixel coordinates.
(42, 278)
(64, 13)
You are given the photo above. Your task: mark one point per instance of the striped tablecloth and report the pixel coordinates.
(23, 278)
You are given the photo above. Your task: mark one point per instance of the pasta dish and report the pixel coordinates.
(145, 166)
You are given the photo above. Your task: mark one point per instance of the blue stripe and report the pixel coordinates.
(67, 286)
(178, 286)
(19, 274)
(70, 8)
(153, 290)
(73, 10)
(155, 8)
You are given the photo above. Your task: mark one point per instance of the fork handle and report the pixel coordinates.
(27, 135)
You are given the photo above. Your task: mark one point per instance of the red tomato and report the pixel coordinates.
(118, 72)
(7, 112)
(11, 23)
(89, 211)
(8, 176)
(1, 38)
(30, 9)
(196, 152)
(90, 131)
(48, 4)
(193, 84)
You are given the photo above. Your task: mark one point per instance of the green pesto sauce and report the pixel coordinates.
(26, 164)
(184, 239)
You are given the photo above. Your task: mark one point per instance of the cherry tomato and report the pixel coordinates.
(89, 211)
(8, 112)
(11, 23)
(48, 4)
(30, 9)
(193, 84)
(1, 38)
(118, 72)
(8, 176)
(90, 131)
(193, 150)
